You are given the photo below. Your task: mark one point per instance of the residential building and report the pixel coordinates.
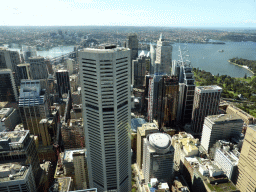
(246, 166)
(16, 176)
(8, 89)
(142, 133)
(206, 102)
(219, 127)
(158, 155)
(106, 97)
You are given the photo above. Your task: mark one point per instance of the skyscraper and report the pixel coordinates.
(206, 102)
(63, 84)
(139, 70)
(246, 166)
(8, 89)
(163, 61)
(33, 105)
(132, 44)
(152, 58)
(168, 93)
(24, 71)
(105, 79)
(38, 68)
(9, 60)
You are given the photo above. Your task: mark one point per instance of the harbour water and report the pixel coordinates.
(207, 56)
(203, 56)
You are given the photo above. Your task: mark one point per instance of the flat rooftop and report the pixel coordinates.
(68, 154)
(23, 64)
(211, 88)
(209, 182)
(224, 117)
(13, 171)
(104, 49)
(4, 112)
(15, 136)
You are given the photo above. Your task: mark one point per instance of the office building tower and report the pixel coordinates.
(158, 154)
(219, 127)
(150, 98)
(33, 105)
(80, 169)
(139, 70)
(155, 86)
(206, 102)
(142, 133)
(186, 94)
(9, 118)
(152, 58)
(168, 93)
(28, 51)
(49, 66)
(163, 56)
(133, 44)
(38, 68)
(9, 60)
(106, 97)
(24, 71)
(16, 176)
(246, 167)
(43, 131)
(63, 84)
(70, 65)
(19, 145)
(227, 157)
(8, 89)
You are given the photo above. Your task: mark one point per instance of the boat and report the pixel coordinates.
(221, 50)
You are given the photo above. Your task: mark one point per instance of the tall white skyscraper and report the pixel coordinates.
(105, 80)
(163, 61)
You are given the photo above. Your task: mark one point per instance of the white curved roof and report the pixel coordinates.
(142, 53)
(159, 140)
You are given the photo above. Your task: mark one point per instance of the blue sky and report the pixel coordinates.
(177, 13)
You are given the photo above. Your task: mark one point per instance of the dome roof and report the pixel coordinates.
(159, 140)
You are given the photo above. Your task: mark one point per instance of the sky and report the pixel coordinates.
(168, 13)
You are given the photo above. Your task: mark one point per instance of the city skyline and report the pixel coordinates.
(193, 13)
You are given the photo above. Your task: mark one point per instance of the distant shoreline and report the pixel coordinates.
(243, 66)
